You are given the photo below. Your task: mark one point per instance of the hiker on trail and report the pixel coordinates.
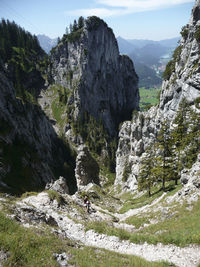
(87, 204)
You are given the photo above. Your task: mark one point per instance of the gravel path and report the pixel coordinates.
(182, 257)
(131, 212)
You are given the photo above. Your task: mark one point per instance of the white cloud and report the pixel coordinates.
(100, 12)
(142, 4)
(123, 7)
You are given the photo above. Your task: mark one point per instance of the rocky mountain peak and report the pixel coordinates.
(100, 82)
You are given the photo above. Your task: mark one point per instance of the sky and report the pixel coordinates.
(130, 19)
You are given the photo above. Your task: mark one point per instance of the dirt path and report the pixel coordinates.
(181, 257)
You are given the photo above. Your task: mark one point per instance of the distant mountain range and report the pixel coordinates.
(47, 43)
(149, 57)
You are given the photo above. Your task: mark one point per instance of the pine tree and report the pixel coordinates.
(70, 28)
(80, 22)
(75, 26)
(147, 175)
(164, 166)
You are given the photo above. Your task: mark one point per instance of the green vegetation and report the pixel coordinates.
(148, 78)
(181, 227)
(184, 32)
(137, 221)
(73, 33)
(34, 247)
(21, 176)
(28, 247)
(170, 68)
(178, 149)
(197, 34)
(55, 195)
(91, 257)
(147, 176)
(25, 60)
(110, 176)
(126, 172)
(148, 98)
(96, 137)
(74, 36)
(132, 202)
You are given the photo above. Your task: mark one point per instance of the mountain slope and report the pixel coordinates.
(30, 151)
(153, 141)
(148, 54)
(47, 43)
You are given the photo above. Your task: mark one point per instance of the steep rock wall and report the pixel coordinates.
(183, 82)
(101, 82)
(31, 154)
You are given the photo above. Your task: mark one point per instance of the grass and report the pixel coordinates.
(137, 221)
(28, 247)
(55, 195)
(148, 97)
(133, 202)
(181, 228)
(33, 247)
(141, 201)
(91, 257)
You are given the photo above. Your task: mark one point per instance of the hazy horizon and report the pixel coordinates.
(129, 19)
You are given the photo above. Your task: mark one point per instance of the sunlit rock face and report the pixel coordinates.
(102, 82)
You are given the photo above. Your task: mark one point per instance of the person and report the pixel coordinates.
(87, 204)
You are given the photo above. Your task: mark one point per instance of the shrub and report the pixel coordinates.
(170, 68)
(184, 32)
(74, 36)
(126, 172)
(197, 34)
(53, 195)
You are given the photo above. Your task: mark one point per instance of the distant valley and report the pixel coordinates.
(149, 57)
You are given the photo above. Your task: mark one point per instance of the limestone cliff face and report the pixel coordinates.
(30, 152)
(134, 137)
(101, 82)
(183, 82)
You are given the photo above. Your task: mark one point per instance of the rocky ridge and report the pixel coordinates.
(99, 81)
(182, 82)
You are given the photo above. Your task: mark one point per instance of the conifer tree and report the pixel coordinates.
(70, 28)
(80, 22)
(67, 30)
(147, 175)
(75, 26)
(164, 161)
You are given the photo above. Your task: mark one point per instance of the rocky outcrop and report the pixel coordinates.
(191, 177)
(87, 169)
(59, 186)
(99, 82)
(183, 81)
(3, 257)
(134, 137)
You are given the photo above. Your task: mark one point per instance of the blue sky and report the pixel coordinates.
(130, 19)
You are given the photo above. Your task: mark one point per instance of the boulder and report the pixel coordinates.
(59, 186)
(87, 169)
